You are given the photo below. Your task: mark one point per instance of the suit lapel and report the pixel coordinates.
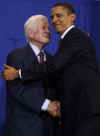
(68, 35)
(63, 42)
(48, 56)
(31, 57)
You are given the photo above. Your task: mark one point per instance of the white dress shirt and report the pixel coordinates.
(36, 50)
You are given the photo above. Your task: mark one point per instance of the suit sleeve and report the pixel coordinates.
(54, 64)
(31, 98)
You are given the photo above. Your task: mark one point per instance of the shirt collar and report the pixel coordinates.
(35, 49)
(66, 31)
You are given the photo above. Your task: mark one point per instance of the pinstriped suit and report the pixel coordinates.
(24, 100)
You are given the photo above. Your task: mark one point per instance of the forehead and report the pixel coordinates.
(43, 22)
(58, 9)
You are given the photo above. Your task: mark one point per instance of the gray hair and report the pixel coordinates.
(32, 23)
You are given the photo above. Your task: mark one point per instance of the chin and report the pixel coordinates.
(58, 32)
(46, 42)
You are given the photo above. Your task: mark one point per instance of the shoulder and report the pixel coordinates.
(17, 55)
(17, 51)
(78, 35)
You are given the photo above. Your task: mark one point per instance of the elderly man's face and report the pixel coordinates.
(42, 34)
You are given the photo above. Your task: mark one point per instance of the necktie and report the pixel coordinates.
(45, 80)
(41, 56)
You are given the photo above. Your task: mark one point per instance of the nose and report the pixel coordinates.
(47, 30)
(54, 19)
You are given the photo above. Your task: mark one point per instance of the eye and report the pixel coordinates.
(58, 15)
(43, 27)
(48, 28)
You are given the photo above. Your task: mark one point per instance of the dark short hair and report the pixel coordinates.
(67, 6)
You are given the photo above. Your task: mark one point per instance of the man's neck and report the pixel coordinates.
(40, 47)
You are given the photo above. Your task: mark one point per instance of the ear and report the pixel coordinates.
(30, 33)
(73, 17)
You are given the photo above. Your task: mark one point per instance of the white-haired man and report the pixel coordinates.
(78, 82)
(28, 106)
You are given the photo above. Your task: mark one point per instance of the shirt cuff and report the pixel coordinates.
(45, 105)
(20, 73)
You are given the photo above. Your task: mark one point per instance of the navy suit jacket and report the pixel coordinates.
(78, 83)
(24, 99)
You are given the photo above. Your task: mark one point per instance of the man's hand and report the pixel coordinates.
(10, 73)
(54, 109)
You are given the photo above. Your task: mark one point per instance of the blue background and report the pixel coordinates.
(13, 14)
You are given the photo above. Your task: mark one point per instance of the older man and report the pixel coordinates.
(28, 106)
(78, 80)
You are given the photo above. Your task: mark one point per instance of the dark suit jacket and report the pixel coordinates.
(24, 100)
(77, 83)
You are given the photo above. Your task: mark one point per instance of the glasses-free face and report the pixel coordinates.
(61, 20)
(41, 36)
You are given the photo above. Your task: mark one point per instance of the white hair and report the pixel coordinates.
(32, 23)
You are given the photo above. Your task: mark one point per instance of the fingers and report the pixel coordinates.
(10, 73)
(5, 74)
(57, 103)
(54, 109)
(7, 66)
(58, 107)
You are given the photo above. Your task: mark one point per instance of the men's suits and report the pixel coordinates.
(77, 83)
(24, 100)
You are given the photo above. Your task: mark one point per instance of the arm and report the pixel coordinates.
(77, 49)
(25, 94)
(51, 67)
(72, 49)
